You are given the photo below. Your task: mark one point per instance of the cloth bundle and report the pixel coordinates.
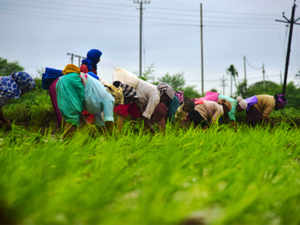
(125, 77)
(209, 96)
(50, 76)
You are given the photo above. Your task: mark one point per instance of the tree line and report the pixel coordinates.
(178, 82)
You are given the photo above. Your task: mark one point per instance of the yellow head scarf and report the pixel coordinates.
(117, 93)
(71, 68)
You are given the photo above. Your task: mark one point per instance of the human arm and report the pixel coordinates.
(153, 101)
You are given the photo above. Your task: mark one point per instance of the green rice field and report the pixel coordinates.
(217, 176)
(214, 176)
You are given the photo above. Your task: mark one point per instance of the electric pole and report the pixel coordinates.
(72, 57)
(291, 23)
(201, 43)
(231, 81)
(264, 76)
(75, 56)
(141, 8)
(245, 71)
(223, 84)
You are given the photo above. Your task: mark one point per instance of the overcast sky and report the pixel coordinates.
(39, 33)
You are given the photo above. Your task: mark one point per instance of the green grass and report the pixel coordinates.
(247, 177)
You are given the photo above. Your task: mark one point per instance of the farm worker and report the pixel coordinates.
(232, 112)
(98, 100)
(129, 108)
(70, 94)
(216, 97)
(206, 112)
(181, 115)
(13, 87)
(49, 80)
(212, 111)
(90, 63)
(148, 97)
(53, 96)
(259, 107)
(149, 101)
(168, 97)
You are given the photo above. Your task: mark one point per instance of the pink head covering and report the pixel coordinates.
(209, 96)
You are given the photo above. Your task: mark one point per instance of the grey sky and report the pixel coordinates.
(39, 33)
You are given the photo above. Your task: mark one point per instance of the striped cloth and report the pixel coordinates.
(129, 93)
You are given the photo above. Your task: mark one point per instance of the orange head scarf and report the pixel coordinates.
(71, 68)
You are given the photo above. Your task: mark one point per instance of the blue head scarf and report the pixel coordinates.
(11, 87)
(93, 57)
(24, 81)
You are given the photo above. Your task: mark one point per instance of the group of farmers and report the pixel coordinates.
(79, 95)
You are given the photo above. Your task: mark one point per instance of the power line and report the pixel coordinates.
(210, 23)
(253, 67)
(95, 19)
(93, 4)
(112, 10)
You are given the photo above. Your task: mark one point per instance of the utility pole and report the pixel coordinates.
(75, 56)
(231, 85)
(245, 71)
(291, 22)
(72, 57)
(79, 61)
(141, 8)
(201, 43)
(223, 84)
(280, 78)
(264, 76)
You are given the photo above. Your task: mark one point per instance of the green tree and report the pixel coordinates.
(191, 92)
(176, 81)
(242, 89)
(7, 68)
(231, 70)
(257, 88)
(147, 74)
(213, 90)
(292, 95)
